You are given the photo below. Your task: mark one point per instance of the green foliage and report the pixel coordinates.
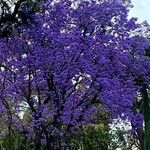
(11, 142)
(15, 141)
(94, 137)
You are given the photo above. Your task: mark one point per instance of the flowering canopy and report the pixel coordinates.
(76, 58)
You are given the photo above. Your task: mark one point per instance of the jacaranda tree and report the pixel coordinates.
(75, 59)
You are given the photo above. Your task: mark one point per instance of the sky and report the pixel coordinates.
(141, 10)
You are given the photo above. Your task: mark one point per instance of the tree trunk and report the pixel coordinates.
(146, 108)
(37, 140)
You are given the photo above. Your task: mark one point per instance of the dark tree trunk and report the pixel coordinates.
(37, 140)
(140, 134)
(146, 108)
